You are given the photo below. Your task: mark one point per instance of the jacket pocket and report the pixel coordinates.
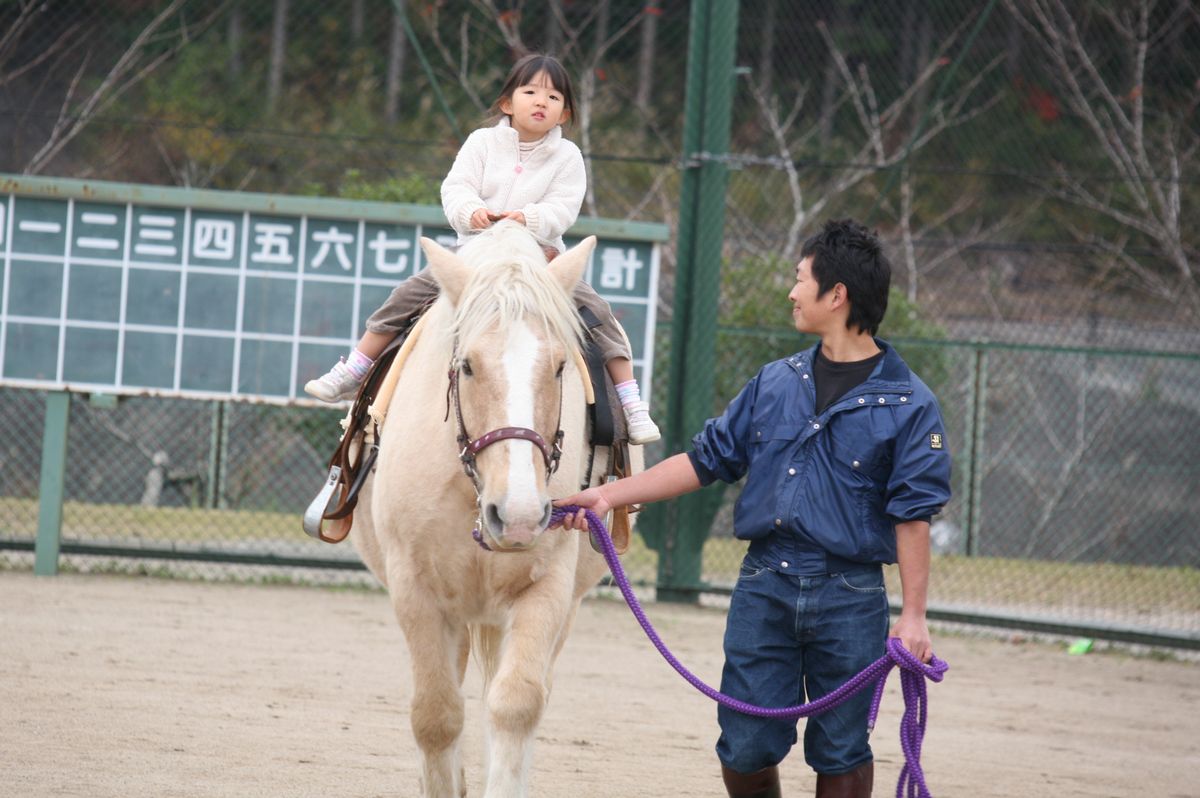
(859, 451)
(767, 431)
(861, 459)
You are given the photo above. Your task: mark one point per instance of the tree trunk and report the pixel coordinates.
(234, 39)
(395, 68)
(278, 54)
(358, 13)
(645, 70)
(553, 29)
(924, 45)
(766, 56)
(908, 50)
(831, 79)
(602, 14)
(1012, 49)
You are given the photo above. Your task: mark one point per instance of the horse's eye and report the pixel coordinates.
(561, 366)
(466, 368)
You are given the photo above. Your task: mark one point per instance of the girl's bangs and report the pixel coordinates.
(553, 70)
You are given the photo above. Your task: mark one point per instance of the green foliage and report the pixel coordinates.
(755, 326)
(412, 188)
(906, 328)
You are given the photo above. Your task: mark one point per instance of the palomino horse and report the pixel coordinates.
(493, 364)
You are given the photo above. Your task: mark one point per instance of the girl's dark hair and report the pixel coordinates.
(846, 252)
(523, 73)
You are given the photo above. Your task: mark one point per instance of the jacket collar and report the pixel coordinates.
(891, 371)
(505, 128)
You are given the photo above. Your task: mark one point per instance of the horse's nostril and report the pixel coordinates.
(547, 508)
(491, 514)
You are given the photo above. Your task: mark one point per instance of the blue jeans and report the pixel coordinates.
(792, 639)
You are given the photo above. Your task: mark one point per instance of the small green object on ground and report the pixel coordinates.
(1081, 646)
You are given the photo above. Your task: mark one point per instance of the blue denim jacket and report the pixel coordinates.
(830, 487)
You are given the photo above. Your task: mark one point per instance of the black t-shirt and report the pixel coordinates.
(834, 380)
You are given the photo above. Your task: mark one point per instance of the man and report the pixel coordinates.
(845, 458)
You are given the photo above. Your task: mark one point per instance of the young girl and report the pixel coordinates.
(520, 169)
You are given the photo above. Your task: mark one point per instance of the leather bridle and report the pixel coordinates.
(470, 447)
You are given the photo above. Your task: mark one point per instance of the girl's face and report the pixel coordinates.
(535, 108)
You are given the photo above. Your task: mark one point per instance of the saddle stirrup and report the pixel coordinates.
(316, 509)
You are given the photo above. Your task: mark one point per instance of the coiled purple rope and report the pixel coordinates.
(913, 673)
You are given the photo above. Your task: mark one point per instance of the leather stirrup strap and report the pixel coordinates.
(383, 397)
(601, 414)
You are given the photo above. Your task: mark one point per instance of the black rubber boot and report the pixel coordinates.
(759, 784)
(855, 784)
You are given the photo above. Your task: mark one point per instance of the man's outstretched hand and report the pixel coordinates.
(590, 499)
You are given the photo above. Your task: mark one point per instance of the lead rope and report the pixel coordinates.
(913, 673)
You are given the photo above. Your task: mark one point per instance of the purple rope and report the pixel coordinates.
(913, 673)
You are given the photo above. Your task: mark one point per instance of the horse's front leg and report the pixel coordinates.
(518, 693)
(438, 651)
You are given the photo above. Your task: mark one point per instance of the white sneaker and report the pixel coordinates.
(335, 385)
(642, 428)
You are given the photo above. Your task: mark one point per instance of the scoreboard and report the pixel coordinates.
(114, 288)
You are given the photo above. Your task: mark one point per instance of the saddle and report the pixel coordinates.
(354, 457)
(355, 454)
(608, 428)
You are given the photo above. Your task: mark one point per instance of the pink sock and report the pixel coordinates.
(628, 392)
(359, 364)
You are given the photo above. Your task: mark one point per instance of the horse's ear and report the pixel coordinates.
(448, 269)
(568, 267)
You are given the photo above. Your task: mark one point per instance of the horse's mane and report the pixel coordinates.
(510, 282)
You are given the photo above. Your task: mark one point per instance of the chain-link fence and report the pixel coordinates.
(1043, 273)
(1029, 163)
(209, 490)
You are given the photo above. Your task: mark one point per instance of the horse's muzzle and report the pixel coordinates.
(513, 534)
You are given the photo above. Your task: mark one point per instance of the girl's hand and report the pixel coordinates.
(590, 499)
(481, 219)
(516, 216)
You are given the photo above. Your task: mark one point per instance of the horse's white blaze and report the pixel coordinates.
(523, 502)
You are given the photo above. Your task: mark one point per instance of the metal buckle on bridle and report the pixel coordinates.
(555, 454)
(467, 458)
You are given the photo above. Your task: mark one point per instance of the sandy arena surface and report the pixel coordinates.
(113, 686)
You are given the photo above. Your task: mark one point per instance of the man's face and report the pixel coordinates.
(808, 312)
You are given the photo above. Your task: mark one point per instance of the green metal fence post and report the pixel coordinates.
(212, 490)
(711, 48)
(976, 432)
(223, 460)
(965, 456)
(53, 481)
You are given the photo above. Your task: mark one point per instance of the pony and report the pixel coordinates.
(486, 424)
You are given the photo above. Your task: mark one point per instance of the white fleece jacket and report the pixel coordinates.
(487, 173)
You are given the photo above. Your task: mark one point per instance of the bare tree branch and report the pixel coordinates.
(876, 148)
(120, 78)
(461, 65)
(779, 130)
(1149, 148)
(507, 22)
(13, 35)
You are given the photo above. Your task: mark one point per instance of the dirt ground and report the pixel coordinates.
(114, 686)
